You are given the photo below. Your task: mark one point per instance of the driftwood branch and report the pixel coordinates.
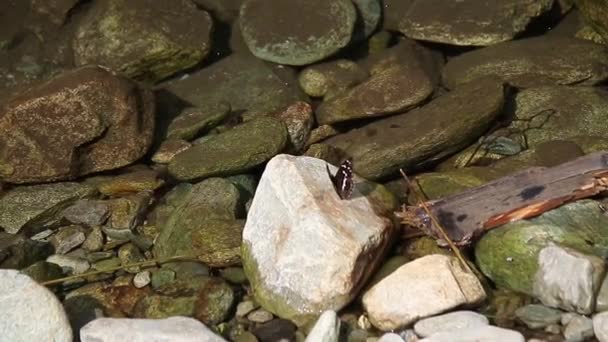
(523, 195)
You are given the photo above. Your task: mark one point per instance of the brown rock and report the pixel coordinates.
(86, 120)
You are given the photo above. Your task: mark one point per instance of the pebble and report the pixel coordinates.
(537, 316)
(600, 326)
(326, 329)
(260, 316)
(449, 322)
(579, 329)
(141, 279)
(243, 308)
(391, 337)
(69, 263)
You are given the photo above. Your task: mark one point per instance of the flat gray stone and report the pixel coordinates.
(472, 22)
(296, 32)
(533, 62)
(441, 127)
(174, 329)
(232, 152)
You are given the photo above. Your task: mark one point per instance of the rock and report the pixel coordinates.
(452, 321)
(235, 151)
(247, 84)
(391, 337)
(400, 79)
(302, 32)
(577, 291)
(234, 275)
(218, 242)
(215, 301)
(18, 252)
(88, 212)
(299, 120)
(244, 308)
(394, 11)
(477, 23)
(176, 329)
(392, 90)
(275, 330)
(509, 255)
(43, 271)
(326, 329)
(552, 123)
(130, 254)
(35, 313)
(370, 12)
(176, 298)
(34, 208)
(579, 329)
(89, 119)
(443, 126)
(486, 333)
(131, 182)
(56, 10)
(169, 149)
(601, 303)
(94, 240)
(67, 238)
(260, 316)
(600, 326)
(329, 78)
(350, 238)
(532, 62)
(595, 12)
(126, 213)
(536, 316)
(418, 289)
(142, 279)
(143, 39)
(190, 208)
(193, 122)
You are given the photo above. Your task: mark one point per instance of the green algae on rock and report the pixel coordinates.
(296, 32)
(143, 39)
(508, 254)
(532, 62)
(235, 151)
(423, 135)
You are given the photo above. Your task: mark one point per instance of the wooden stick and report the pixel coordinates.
(143, 264)
(444, 235)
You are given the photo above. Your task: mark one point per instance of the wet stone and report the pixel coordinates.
(329, 78)
(88, 212)
(130, 254)
(88, 106)
(260, 316)
(132, 182)
(143, 39)
(37, 206)
(537, 316)
(244, 308)
(215, 301)
(169, 149)
(474, 23)
(193, 122)
(67, 238)
(275, 330)
(69, 264)
(141, 279)
(94, 240)
(235, 151)
(302, 32)
(532, 62)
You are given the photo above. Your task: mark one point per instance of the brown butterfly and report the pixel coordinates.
(343, 179)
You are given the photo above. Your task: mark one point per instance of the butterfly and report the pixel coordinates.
(343, 179)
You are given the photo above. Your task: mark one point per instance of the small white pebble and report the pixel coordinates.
(141, 279)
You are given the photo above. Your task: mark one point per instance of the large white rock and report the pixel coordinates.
(421, 288)
(29, 311)
(174, 329)
(578, 290)
(304, 249)
(600, 326)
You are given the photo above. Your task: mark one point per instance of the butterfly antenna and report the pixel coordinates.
(444, 235)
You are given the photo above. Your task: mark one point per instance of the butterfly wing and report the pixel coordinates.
(343, 179)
